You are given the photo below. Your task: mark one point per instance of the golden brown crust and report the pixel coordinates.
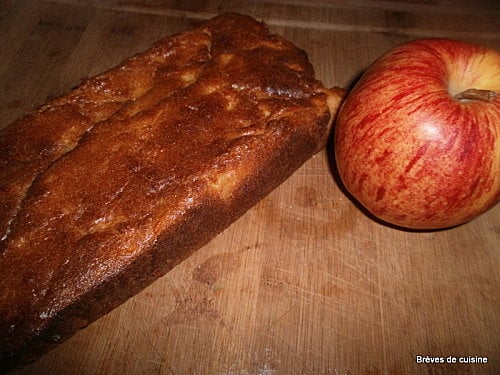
(158, 177)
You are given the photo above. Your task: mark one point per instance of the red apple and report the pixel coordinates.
(417, 140)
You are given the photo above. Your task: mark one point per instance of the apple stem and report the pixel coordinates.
(475, 94)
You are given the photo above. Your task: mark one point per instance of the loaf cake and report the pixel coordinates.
(109, 186)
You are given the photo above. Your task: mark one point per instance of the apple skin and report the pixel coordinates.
(412, 153)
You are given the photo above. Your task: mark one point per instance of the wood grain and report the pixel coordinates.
(305, 282)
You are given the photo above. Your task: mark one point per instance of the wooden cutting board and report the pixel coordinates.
(305, 282)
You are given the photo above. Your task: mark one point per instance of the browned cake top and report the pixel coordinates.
(30, 144)
(192, 137)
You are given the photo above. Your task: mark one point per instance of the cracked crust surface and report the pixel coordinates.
(143, 165)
